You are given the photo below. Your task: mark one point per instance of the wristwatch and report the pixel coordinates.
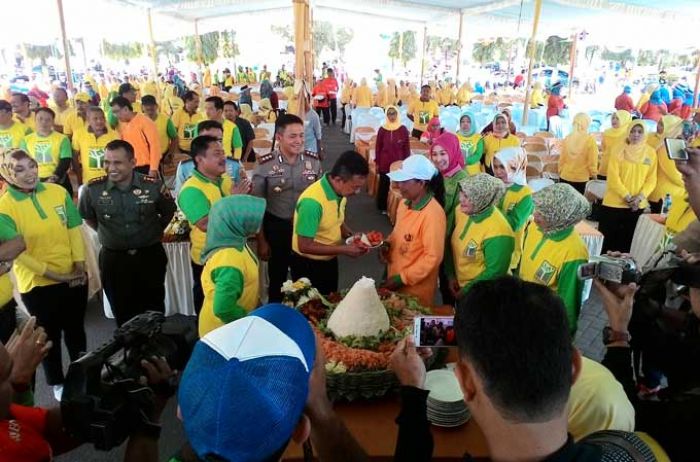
(612, 336)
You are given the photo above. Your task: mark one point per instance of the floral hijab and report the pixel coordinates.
(483, 191)
(560, 207)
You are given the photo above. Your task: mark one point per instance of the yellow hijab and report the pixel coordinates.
(673, 126)
(391, 126)
(623, 130)
(247, 112)
(577, 140)
(634, 152)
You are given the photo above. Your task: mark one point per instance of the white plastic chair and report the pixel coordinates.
(596, 188)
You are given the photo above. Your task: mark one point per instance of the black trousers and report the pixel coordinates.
(656, 207)
(416, 133)
(134, 281)
(617, 226)
(345, 116)
(59, 309)
(278, 233)
(197, 291)
(8, 320)
(383, 191)
(323, 274)
(334, 110)
(578, 186)
(326, 113)
(447, 297)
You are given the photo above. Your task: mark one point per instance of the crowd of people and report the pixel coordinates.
(469, 227)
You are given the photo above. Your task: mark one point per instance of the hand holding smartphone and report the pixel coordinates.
(434, 331)
(676, 149)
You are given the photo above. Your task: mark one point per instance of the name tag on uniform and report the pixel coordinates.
(471, 249)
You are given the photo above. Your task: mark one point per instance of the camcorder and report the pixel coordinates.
(622, 270)
(104, 399)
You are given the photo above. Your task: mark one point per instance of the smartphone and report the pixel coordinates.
(676, 149)
(434, 331)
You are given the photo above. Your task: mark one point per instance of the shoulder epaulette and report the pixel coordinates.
(151, 179)
(100, 179)
(311, 154)
(265, 158)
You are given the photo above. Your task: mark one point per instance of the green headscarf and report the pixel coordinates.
(231, 221)
(472, 128)
(483, 191)
(561, 207)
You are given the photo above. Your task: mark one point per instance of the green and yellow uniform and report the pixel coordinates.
(186, 125)
(29, 121)
(91, 151)
(319, 215)
(12, 137)
(481, 247)
(232, 141)
(472, 148)
(517, 206)
(166, 131)
(7, 232)
(196, 197)
(422, 112)
(493, 144)
(553, 261)
(231, 287)
(49, 223)
(47, 151)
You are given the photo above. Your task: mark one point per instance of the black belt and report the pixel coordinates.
(132, 251)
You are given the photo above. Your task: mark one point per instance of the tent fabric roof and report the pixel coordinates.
(429, 10)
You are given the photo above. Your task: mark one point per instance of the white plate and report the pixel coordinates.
(443, 386)
(349, 240)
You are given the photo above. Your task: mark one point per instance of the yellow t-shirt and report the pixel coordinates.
(196, 198)
(319, 215)
(91, 152)
(680, 216)
(186, 125)
(668, 179)
(422, 113)
(598, 402)
(73, 123)
(47, 151)
(235, 273)
(492, 145)
(12, 137)
(29, 121)
(49, 223)
(61, 115)
(579, 167)
(630, 178)
(166, 131)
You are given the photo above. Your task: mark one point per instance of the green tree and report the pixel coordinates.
(122, 51)
(557, 50)
(539, 50)
(228, 45)
(395, 48)
(323, 37)
(622, 57)
(285, 32)
(343, 37)
(170, 50)
(409, 48)
(646, 58)
(484, 51)
(41, 52)
(210, 47)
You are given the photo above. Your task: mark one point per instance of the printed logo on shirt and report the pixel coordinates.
(42, 153)
(61, 212)
(647, 161)
(423, 117)
(5, 140)
(96, 158)
(545, 272)
(189, 131)
(466, 147)
(471, 249)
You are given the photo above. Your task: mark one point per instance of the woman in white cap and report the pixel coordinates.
(417, 243)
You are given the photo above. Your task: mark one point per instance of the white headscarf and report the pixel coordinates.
(514, 160)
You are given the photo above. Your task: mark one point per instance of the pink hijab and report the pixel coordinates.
(450, 143)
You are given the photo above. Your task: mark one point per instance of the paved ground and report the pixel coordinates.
(362, 215)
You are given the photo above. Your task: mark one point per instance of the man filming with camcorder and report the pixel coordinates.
(668, 337)
(31, 434)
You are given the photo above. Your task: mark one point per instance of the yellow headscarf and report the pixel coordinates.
(673, 126)
(623, 130)
(577, 140)
(634, 152)
(247, 112)
(391, 126)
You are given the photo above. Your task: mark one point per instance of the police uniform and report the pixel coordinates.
(281, 183)
(130, 225)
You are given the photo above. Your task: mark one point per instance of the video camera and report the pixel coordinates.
(103, 398)
(622, 270)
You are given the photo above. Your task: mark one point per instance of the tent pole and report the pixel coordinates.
(66, 45)
(459, 46)
(573, 64)
(531, 52)
(152, 43)
(697, 83)
(198, 43)
(422, 59)
(302, 61)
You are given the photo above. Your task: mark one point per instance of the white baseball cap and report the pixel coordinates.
(415, 167)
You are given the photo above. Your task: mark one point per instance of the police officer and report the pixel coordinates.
(129, 211)
(280, 177)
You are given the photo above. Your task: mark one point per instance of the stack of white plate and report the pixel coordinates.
(446, 407)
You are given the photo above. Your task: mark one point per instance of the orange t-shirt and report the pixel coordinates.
(417, 245)
(142, 134)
